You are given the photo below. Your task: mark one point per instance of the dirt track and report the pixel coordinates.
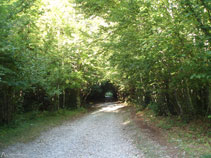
(107, 132)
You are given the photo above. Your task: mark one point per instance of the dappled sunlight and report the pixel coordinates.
(114, 108)
(126, 122)
(109, 107)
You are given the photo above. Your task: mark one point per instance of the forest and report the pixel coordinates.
(55, 54)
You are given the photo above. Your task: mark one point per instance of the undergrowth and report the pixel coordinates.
(194, 137)
(28, 126)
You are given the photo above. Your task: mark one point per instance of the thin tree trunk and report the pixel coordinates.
(189, 98)
(209, 102)
(63, 99)
(78, 100)
(58, 102)
(178, 103)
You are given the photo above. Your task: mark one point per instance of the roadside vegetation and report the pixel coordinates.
(26, 127)
(193, 138)
(48, 58)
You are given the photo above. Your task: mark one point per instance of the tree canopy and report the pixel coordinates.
(156, 53)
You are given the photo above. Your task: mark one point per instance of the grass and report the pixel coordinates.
(28, 126)
(194, 137)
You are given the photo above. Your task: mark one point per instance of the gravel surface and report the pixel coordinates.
(108, 132)
(100, 134)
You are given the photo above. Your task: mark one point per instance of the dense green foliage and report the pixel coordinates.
(47, 56)
(53, 53)
(159, 52)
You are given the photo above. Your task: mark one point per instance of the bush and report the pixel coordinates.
(158, 109)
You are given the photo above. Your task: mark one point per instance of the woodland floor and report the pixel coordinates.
(111, 131)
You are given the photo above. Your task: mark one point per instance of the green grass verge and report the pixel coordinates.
(28, 126)
(194, 137)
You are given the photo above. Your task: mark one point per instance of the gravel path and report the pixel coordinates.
(101, 134)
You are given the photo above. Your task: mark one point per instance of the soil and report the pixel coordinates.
(156, 134)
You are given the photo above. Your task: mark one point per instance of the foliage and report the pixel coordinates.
(53, 53)
(158, 51)
(48, 54)
(191, 138)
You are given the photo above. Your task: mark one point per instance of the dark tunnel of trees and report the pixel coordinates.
(98, 92)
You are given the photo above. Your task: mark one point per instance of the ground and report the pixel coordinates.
(108, 132)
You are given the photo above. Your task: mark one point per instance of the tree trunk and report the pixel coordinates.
(63, 102)
(189, 99)
(78, 99)
(209, 102)
(178, 103)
